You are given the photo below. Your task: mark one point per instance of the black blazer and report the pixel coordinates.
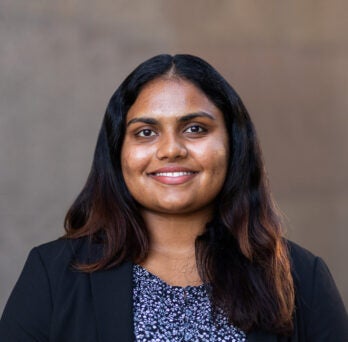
(53, 302)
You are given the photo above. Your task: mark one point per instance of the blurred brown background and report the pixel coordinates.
(60, 62)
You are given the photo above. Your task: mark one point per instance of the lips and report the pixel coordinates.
(173, 175)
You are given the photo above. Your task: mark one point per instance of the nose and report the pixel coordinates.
(171, 147)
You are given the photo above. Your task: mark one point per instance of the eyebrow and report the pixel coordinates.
(184, 118)
(143, 119)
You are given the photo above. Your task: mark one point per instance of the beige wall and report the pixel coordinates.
(60, 62)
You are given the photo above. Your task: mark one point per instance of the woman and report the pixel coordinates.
(174, 236)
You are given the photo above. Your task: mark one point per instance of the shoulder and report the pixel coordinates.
(308, 269)
(302, 260)
(319, 306)
(53, 298)
(28, 310)
(61, 250)
(60, 253)
(55, 261)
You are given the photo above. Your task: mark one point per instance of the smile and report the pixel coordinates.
(173, 174)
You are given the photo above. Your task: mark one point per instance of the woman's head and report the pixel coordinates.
(243, 196)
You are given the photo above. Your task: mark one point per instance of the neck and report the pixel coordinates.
(172, 245)
(174, 233)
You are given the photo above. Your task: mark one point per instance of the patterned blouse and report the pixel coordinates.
(164, 313)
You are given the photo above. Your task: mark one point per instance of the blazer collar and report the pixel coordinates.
(112, 297)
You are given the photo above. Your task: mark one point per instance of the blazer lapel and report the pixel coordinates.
(113, 303)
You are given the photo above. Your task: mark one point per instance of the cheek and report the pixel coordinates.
(213, 156)
(134, 159)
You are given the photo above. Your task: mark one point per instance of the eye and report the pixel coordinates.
(195, 129)
(146, 133)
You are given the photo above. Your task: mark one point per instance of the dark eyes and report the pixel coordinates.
(146, 133)
(193, 129)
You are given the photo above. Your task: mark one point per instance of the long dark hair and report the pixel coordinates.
(242, 253)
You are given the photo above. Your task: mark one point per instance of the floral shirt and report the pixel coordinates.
(167, 313)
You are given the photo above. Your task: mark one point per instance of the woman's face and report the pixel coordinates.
(175, 151)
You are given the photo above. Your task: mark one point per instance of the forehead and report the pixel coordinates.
(171, 97)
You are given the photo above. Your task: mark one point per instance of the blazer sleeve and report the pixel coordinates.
(326, 315)
(28, 311)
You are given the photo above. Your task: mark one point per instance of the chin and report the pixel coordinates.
(180, 208)
(170, 208)
(175, 210)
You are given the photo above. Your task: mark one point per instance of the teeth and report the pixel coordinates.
(173, 174)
